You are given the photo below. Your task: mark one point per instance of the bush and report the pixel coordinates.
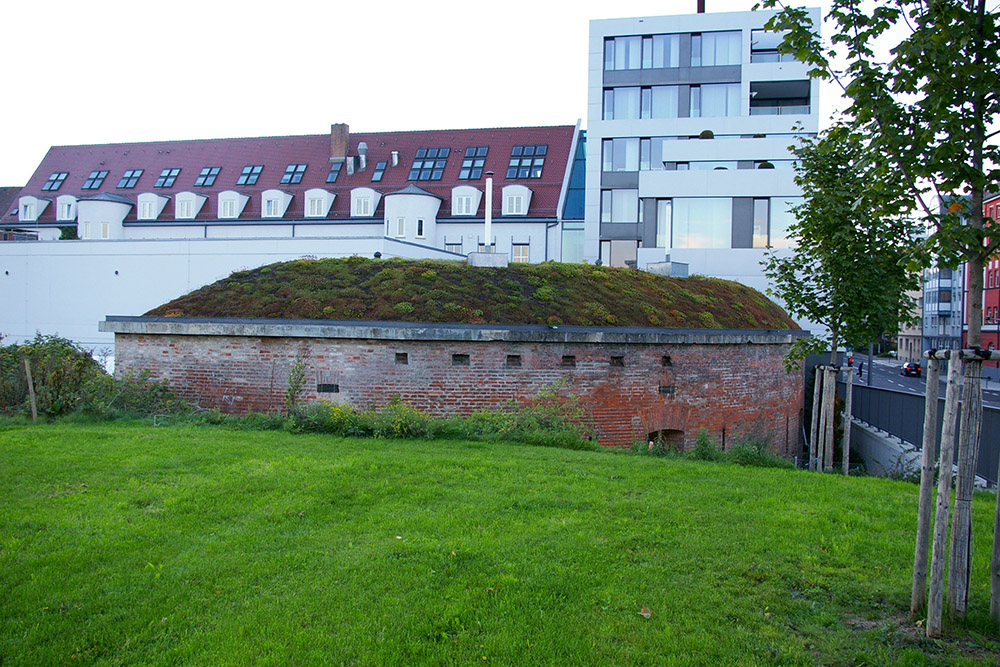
(755, 453)
(704, 447)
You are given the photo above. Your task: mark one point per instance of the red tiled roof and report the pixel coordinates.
(276, 153)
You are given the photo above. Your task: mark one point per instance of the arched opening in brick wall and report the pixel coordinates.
(667, 439)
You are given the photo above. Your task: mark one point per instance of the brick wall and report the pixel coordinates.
(632, 390)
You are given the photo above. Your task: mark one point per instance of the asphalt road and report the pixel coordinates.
(887, 375)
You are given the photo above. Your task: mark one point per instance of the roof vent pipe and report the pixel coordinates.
(394, 158)
(701, 6)
(362, 156)
(350, 165)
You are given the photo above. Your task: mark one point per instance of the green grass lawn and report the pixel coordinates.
(128, 544)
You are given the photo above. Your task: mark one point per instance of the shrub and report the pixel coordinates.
(755, 453)
(704, 447)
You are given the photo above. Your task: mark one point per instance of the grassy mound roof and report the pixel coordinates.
(444, 291)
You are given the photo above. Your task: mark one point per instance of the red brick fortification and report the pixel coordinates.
(633, 385)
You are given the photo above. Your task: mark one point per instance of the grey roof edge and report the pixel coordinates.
(384, 330)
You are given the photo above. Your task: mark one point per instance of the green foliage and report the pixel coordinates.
(443, 291)
(848, 270)
(68, 233)
(296, 384)
(704, 447)
(755, 453)
(68, 380)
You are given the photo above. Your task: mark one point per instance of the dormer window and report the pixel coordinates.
(429, 164)
(293, 173)
(465, 200)
(184, 209)
(30, 209)
(250, 174)
(516, 200)
(527, 161)
(362, 206)
(207, 177)
(129, 179)
(472, 163)
(272, 208)
(147, 210)
(167, 178)
(27, 213)
(274, 203)
(149, 205)
(66, 207)
(227, 209)
(188, 205)
(55, 181)
(231, 204)
(95, 180)
(318, 203)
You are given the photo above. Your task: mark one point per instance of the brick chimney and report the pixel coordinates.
(340, 138)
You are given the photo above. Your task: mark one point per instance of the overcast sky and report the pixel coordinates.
(119, 70)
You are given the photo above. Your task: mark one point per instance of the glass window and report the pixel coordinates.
(714, 100)
(712, 165)
(663, 218)
(293, 173)
(429, 164)
(572, 242)
(207, 177)
(702, 222)
(719, 48)
(760, 222)
(55, 180)
(228, 209)
(95, 180)
(379, 171)
(527, 161)
(621, 103)
(520, 253)
(250, 174)
(620, 205)
(130, 178)
(666, 51)
(621, 154)
(472, 163)
(453, 247)
(663, 102)
(167, 178)
(622, 53)
(334, 172)
(781, 219)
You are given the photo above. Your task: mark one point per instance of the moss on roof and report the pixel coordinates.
(449, 291)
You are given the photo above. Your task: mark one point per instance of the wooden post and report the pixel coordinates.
(961, 525)
(995, 564)
(829, 400)
(814, 432)
(848, 406)
(918, 593)
(935, 601)
(31, 391)
(821, 429)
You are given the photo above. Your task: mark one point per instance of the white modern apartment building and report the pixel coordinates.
(689, 122)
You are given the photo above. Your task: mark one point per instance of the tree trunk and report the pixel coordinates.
(848, 404)
(814, 430)
(935, 602)
(918, 593)
(961, 527)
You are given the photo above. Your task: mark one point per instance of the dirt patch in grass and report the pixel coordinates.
(902, 633)
(447, 291)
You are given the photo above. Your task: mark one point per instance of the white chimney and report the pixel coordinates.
(394, 158)
(362, 155)
(489, 211)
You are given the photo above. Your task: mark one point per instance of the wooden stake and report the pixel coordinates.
(848, 405)
(830, 396)
(814, 432)
(918, 593)
(961, 525)
(31, 391)
(995, 564)
(935, 601)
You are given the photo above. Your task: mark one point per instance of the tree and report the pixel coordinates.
(849, 270)
(928, 109)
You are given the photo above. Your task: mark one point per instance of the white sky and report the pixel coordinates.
(120, 70)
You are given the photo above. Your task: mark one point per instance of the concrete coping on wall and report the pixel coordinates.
(197, 326)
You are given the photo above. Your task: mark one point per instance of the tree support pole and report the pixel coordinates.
(848, 407)
(814, 426)
(918, 594)
(961, 526)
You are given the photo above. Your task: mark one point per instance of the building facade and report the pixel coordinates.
(689, 122)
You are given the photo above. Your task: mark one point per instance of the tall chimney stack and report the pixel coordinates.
(340, 137)
(701, 6)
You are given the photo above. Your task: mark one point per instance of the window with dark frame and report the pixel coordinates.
(167, 178)
(527, 161)
(459, 360)
(429, 164)
(334, 172)
(55, 180)
(129, 179)
(379, 171)
(513, 361)
(95, 180)
(618, 361)
(402, 358)
(250, 174)
(473, 162)
(293, 173)
(568, 361)
(207, 177)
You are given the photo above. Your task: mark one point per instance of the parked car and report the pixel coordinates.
(911, 368)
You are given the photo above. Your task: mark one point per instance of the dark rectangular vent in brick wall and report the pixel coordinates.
(667, 389)
(569, 361)
(617, 361)
(328, 389)
(513, 361)
(402, 358)
(459, 360)
(665, 361)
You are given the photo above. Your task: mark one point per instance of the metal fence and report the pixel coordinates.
(902, 415)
